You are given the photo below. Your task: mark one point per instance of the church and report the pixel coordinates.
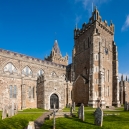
(93, 74)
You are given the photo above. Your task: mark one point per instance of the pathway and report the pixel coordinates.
(39, 122)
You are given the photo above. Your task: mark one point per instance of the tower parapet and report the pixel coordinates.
(92, 20)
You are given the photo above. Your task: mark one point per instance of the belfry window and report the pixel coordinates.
(10, 68)
(13, 91)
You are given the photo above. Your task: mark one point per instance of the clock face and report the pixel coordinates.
(106, 51)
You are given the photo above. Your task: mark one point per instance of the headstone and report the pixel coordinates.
(69, 105)
(31, 125)
(71, 110)
(4, 112)
(82, 112)
(125, 106)
(79, 112)
(98, 116)
(74, 106)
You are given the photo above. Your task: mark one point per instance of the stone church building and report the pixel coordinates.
(93, 74)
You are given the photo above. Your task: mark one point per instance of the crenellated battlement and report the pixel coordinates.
(95, 18)
(28, 58)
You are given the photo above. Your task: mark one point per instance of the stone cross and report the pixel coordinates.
(82, 112)
(98, 116)
(54, 122)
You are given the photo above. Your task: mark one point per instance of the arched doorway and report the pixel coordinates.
(54, 100)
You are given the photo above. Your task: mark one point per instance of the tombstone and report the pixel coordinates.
(31, 125)
(9, 111)
(71, 110)
(12, 109)
(4, 112)
(69, 105)
(74, 106)
(82, 112)
(79, 112)
(125, 106)
(98, 116)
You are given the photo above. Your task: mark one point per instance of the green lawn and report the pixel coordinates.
(110, 122)
(34, 110)
(20, 120)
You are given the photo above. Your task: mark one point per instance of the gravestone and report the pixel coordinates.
(31, 125)
(98, 116)
(79, 112)
(74, 106)
(82, 112)
(71, 110)
(12, 109)
(9, 111)
(69, 105)
(125, 106)
(4, 112)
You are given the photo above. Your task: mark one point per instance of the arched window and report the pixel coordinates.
(10, 68)
(40, 72)
(27, 71)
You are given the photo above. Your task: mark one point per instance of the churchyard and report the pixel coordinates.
(112, 119)
(20, 120)
(117, 118)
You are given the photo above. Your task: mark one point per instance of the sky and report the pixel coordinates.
(31, 26)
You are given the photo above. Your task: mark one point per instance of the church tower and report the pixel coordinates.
(56, 56)
(95, 63)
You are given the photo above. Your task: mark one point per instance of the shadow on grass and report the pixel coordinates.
(75, 118)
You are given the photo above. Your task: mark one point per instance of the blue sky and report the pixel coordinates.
(29, 26)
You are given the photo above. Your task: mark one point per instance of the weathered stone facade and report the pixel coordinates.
(18, 81)
(92, 76)
(95, 63)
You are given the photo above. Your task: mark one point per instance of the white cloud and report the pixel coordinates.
(126, 24)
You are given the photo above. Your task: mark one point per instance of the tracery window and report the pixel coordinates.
(10, 68)
(40, 72)
(27, 71)
(13, 91)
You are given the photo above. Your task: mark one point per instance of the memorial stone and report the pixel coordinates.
(82, 112)
(125, 106)
(79, 112)
(31, 125)
(74, 106)
(98, 116)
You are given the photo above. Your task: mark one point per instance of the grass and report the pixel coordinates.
(20, 120)
(33, 110)
(109, 122)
